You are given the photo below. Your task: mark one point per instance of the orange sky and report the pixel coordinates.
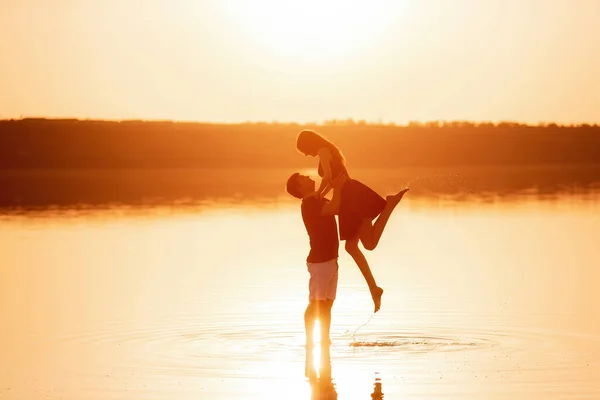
(309, 60)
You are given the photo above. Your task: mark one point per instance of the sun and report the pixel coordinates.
(311, 29)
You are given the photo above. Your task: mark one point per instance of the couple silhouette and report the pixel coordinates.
(363, 215)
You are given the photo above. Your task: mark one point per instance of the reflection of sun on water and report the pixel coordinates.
(317, 348)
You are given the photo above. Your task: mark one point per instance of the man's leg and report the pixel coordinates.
(325, 363)
(324, 317)
(310, 317)
(325, 321)
(323, 286)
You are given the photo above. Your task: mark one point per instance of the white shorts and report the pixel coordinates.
(323, 280)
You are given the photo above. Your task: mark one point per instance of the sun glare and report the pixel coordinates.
(317, 349)
(311, 29)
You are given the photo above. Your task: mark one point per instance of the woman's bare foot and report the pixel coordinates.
(394, 199)
(376, 295)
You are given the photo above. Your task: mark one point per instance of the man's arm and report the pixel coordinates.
(325, 161)
(333, 206)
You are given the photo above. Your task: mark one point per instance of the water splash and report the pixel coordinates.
(440, 182)
(374, 344)
(352, 333)
(425, 342)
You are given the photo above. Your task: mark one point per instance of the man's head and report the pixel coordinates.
(300, 186)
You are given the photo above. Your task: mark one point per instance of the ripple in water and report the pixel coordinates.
(425, 343)
(250, 348)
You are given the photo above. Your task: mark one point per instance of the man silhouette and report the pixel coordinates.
(318, 215)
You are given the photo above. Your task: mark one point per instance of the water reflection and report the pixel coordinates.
(378, 389)
(321, 382)
(323, 386)
(102, 188)
(482, 299)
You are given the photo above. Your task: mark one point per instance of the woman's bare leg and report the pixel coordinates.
(360, 260)
(371, 233)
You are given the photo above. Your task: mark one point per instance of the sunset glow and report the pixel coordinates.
(267, 60)
(311, 30)
(299, 199)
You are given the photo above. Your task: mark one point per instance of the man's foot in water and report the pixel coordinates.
(309, 365)
(376, 295)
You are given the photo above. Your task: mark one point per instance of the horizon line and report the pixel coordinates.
(324, 123)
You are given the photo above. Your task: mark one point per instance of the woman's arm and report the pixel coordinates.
(325, 159)
(326, 190)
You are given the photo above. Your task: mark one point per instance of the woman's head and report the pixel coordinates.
(310, 142)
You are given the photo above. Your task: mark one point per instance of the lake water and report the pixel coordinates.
(483, 300)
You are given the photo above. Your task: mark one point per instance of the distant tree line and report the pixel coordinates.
(87, 144)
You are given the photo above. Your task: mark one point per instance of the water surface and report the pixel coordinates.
(483, 300)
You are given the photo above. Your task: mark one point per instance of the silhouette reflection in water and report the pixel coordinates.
(377, 390)
(319, 375)
(320, 378)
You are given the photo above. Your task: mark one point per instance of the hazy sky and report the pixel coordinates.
(306, 60)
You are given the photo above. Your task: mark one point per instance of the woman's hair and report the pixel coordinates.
(310, 142)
